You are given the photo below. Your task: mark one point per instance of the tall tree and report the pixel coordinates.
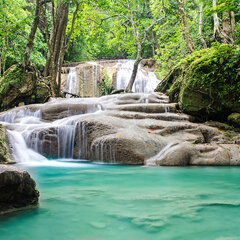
(31, 37)
(189, 42)
(56, 41)
(200, 26)
(218, 32)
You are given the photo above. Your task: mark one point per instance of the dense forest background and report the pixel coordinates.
(166, 30)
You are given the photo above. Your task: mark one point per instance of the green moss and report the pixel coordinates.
(219, 125)
(234, 119)
(13, 76)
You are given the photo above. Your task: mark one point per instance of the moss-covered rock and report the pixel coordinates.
(4, 152)
(18, 86)
(206, 83)
(220, 125)
(234, 119)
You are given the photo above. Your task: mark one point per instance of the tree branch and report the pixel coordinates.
(116, 15)
(72, 27)
(147, 29)
(135, 30)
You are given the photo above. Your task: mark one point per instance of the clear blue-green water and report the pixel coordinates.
(103, 202)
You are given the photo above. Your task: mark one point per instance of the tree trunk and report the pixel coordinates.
(66, 47)
(217, 27)
(226, 24)
(185, 25)
(233, 25)
(4, 56)
(200, 26)
(1, 59)
(56, 44)
(28, 50)
(220, 34)
(135, 68)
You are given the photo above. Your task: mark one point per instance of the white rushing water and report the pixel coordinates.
(72, 82)
(145, 82)
(31, 138)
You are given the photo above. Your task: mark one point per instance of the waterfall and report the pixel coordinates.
(20, 116)
(72, 82)
(21, 152)
(145, 82)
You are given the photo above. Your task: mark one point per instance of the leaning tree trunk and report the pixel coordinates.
(56, 44)
(218, 32)
(185, 25)
(226, 24)
(28, 50)
(233, 25)
(135, 68)
(66, 47)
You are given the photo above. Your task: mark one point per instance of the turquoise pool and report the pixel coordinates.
(87, 201)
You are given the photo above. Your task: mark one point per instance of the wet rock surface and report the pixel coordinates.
(4, 153)
(17, 189)
(132, 128)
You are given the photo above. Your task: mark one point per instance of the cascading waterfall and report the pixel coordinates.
(102, 148)
(20, 116)
(30, 142)
(72, 82)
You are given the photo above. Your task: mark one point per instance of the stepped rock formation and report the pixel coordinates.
(132, 128)
(17, 189)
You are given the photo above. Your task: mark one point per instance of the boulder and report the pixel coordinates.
(183, 154)
(20, 86)
(17, 189)
(234, 119)
(201, 83)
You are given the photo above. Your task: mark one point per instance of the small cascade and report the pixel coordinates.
(105, 150)
(71, 85)
(20, 116)
(167, 109)
(21, 153)
(60, 141)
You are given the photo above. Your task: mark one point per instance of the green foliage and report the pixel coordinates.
(105, 87)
